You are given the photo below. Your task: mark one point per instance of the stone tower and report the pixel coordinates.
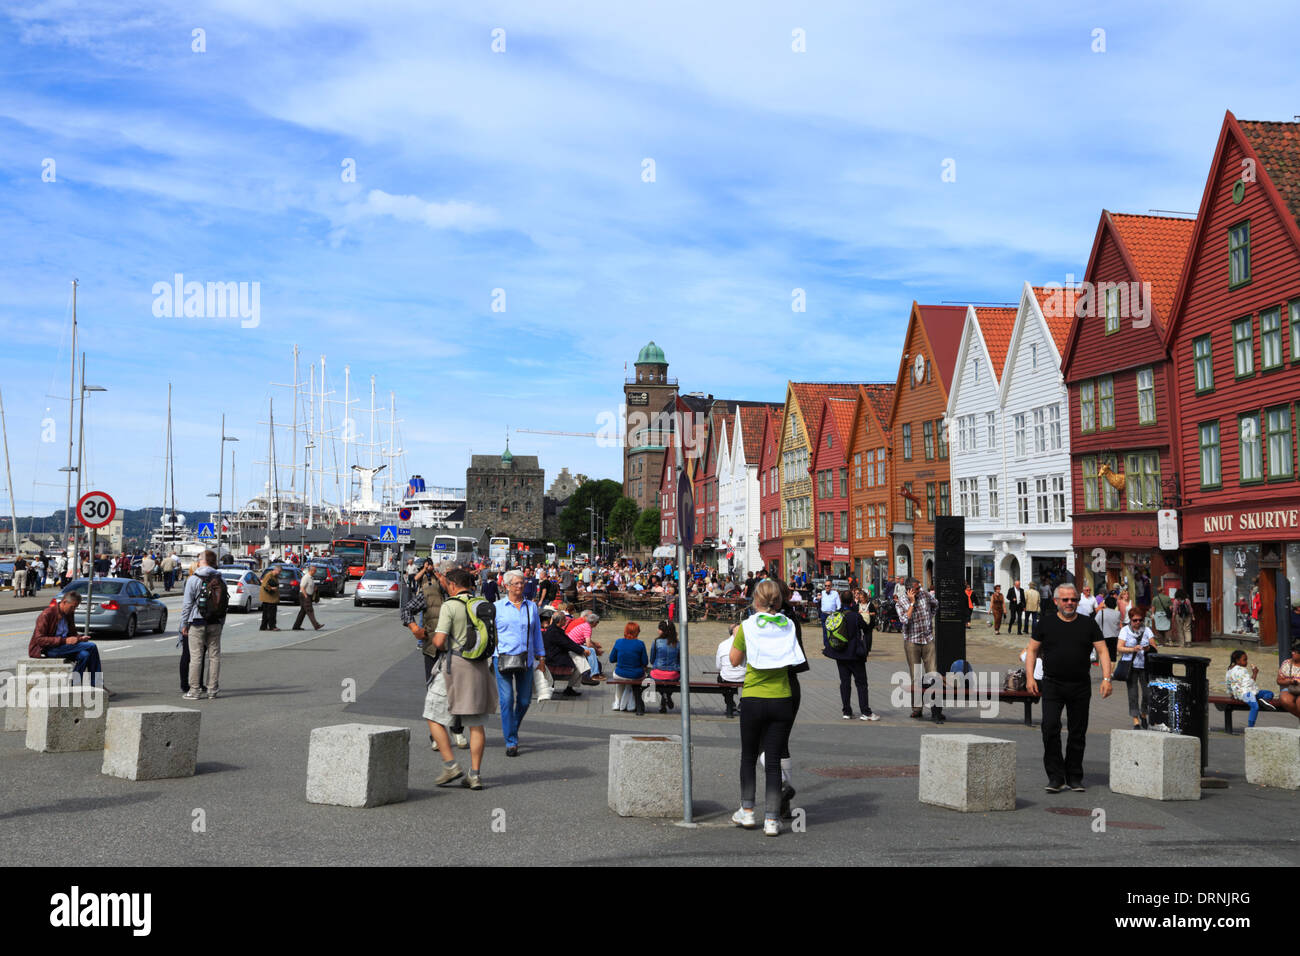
(645, 394)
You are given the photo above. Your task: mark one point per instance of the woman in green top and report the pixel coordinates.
(766, 639)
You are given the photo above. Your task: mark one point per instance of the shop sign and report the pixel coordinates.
(1275, 519)
(841, 551)
(1119, 529)
(1167, 525)
(880, 554)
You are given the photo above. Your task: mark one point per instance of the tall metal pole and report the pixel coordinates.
(72, 382)
(221, 474)
(81, 465)
(9, 478)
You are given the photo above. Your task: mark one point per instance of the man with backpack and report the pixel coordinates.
(203, 612)
(463, 686)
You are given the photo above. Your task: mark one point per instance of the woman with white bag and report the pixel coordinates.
(629, 659)
(766, 643)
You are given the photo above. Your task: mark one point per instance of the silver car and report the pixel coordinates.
(119, 604)
(243, 587)
(377, 587)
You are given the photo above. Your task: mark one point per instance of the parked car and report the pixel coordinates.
(329, 578)
(290, 582)
(119, 604)
(243, 587)
(378, 587)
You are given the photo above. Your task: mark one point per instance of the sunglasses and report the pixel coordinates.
(1073, 600)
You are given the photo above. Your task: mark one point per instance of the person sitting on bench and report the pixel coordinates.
(728, 673)
(1241, 684)
(628, 655)
(56, 636)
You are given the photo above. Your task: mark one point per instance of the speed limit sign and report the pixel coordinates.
(95, 509)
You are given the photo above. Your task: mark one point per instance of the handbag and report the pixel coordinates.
(1162, 620)
(514, 663)
(541, 686)
(1121, 671)
(649, 692)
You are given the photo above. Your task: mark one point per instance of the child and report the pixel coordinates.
(1241, 684)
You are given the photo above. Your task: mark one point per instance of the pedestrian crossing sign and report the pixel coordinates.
(208, 529)
(388, 532)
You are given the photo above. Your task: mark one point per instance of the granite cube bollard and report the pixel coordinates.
(358, 765)
(968, 772)
(151, 743)
(1273, 757)
(63, 718)
(645, 775)
(1155, 764)
(31, 672)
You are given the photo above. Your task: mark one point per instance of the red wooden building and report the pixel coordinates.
(769, 491)
(830, 474)
(1121, 415)
(1234, 340)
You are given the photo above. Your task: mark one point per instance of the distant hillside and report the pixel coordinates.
(138, 524)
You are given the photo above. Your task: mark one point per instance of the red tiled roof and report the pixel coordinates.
(751, 427)
(996, 323)
(842, 418)
(1278, 147)
(810, 396)
(1158, 247)
(1058, 319)
(880, 395)
(943, 325)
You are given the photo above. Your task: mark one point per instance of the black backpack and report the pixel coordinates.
(214, 600)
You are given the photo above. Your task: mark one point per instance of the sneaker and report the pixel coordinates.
(846, 716)
(771, 828)
(744, 818)
(212, 694)
(1077, 786)
(474, 781)
(512, 751)
(872, 716)
(447, 775)
(191, 695)
(916, 713)
(938, 716)
(787, 794)
(461, 741)
(1055, 786)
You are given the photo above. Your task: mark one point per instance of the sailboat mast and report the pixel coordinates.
(272, 496)
(311, 440)
(392, 448)
(72, 384)
(293, 435)
(171, 463)
(347, 427)
(9, 478)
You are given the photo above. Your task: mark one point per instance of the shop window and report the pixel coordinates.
(1241, 608)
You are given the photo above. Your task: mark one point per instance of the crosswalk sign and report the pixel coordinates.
(388, 532)
(208, 529)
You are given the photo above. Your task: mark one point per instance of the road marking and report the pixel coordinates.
(159, 640)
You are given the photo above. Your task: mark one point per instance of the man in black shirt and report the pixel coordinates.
(1065, 639)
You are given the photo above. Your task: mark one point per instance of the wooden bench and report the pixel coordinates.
(1230, 705)
(1004, 696)
(726, 689)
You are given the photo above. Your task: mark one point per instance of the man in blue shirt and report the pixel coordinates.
(519, 632)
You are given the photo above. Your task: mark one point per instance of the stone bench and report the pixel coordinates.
(31, 672)
(968, 772)
(63, 718)
(358, 765)
(1155, 764)
(645, 775)
(1273, 757)
(151, 743)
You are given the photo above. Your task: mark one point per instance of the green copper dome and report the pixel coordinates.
(651, 355)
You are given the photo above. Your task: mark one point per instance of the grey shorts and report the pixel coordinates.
(435, 705)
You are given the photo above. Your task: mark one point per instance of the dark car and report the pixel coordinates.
(119, 604)
(290, 582)
(329, 577)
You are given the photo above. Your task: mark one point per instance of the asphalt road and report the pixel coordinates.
(856, 780)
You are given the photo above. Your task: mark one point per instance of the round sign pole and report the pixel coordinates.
(90, 579)
(95, 509)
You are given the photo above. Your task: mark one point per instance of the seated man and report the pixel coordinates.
(56, 636)
(560, 649)
(729, 673)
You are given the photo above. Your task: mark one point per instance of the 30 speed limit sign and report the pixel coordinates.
(95, 509)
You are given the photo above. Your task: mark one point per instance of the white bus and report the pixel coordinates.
(498, 551)
(450, 547)
(466, 551)
(550, 552)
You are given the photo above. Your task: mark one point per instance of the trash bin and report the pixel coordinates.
(1179, 697)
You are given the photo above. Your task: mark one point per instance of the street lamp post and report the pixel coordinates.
(81, 461)
(221, 469)
(591, 527)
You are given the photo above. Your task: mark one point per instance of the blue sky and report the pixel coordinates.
(522, 171)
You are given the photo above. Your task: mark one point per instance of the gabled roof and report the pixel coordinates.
(811, 395)
(880, 395)
(837, 420)
(722, 434)
(772, 419)
(1058, 319)
(1275, 148)
(996, 324)
(1157, 246)
(943, 329)
(750, 419)
(1278, 147)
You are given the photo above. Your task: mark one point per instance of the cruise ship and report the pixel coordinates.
(434, 507)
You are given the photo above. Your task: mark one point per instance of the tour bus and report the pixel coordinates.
(359, 553)
(550, 552)
(450, 547)
(498, 551)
